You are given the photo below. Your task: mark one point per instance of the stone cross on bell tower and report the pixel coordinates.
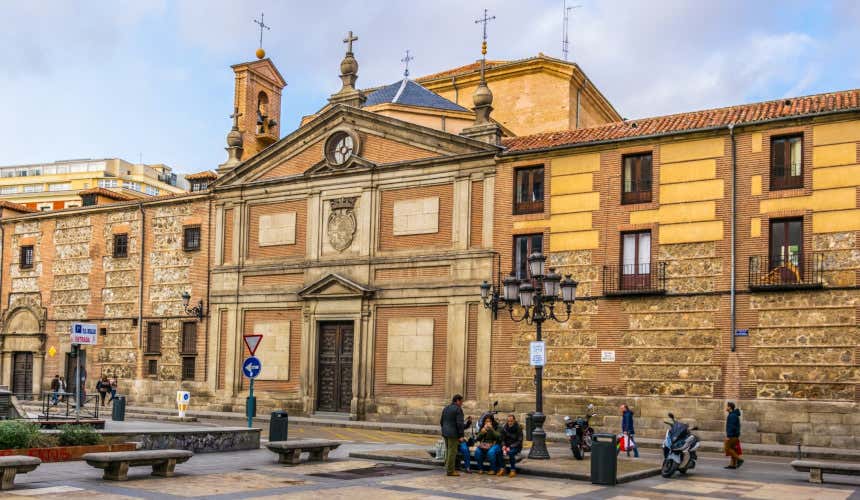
(484, 128)
(348, 94)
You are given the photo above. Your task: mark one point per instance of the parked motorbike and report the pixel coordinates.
(580, 433)
(679, 448)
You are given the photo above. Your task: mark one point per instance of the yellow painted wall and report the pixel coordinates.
(834, 154)
(691, 232)
(755, 142)
(755, 227)
(681, 212)
(688, 171)
(755, 185)
(832, 222)
(581, 240)
(818, 201)
(576, 164)
(826, 178)
(692, 150)
(692, 191)
(568, 203)
(835, 133)
(567, 184)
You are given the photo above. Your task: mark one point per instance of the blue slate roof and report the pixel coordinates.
(410, 93)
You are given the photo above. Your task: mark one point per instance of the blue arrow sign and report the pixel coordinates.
(251, 367)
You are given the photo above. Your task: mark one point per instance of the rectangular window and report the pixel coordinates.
(636, 179)
(191, 238)
(120, 246)
(60, 186)
(134, 186)
(88, 200)
(9, 190)
(26, 261)
(528, 190)
(152, 191)
(153, 338)
(33, 188)
(108, 183)
(786, 162)
(786, 249)
(636, 260)
(188, 368)
(152, 367)
(524, 246)
(189, 338)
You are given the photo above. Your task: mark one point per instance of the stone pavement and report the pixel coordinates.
(254, 474)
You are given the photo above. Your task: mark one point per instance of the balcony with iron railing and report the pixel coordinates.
(797, 272)
(635, 279)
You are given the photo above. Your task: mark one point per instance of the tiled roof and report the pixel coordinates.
(468, 68)
(15, 206)
(409, 93)
(744, 114)
(206, 174)
(107, 193)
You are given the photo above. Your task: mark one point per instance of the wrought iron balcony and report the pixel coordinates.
(635, 279)
(799, 271)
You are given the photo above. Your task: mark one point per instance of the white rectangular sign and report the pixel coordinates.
(607, 356)
(84, 333)
(537, 353)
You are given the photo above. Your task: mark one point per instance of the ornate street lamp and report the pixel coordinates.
(533, 301)
(192, 311)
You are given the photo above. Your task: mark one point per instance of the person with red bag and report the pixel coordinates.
(732, 445)
(626, 443)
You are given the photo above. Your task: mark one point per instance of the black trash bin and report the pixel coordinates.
(530, 426)
(278, 426)
(604, 460)
(118, 412)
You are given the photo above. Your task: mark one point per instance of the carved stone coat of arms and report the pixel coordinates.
(341, 223)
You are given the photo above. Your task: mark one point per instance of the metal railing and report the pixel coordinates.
(635, 279)
(798, 271)
(61, 406)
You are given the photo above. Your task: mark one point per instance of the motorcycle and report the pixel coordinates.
(580, 433)
(679, 448)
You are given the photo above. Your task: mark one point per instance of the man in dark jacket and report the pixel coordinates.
(55, 390)
(628, 431)
(733, 434)
(512, 443)
(452, 430)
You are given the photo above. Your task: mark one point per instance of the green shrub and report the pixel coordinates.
(17, 434)
(43, 440)
(78, 435)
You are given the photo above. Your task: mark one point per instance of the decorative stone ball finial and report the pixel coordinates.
(261, 53)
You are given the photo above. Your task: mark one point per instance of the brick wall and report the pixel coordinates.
(476, 223)
(253, 317)
(262, 253)
(441, 238)
(439, 315)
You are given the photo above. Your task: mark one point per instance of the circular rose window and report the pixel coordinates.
(340, 147)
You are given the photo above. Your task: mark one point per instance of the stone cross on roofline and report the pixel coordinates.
(262, 25)
(406, 60)
(348, 40)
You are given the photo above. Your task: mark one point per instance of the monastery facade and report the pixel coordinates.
(716, 254)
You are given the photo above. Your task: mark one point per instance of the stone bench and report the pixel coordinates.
(16, 464)
(289, 452)
(817, 468)
(116, 463)
(520, 456)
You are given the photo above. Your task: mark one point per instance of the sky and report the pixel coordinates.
(151, 79)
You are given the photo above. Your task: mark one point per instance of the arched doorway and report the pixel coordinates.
(23, 352)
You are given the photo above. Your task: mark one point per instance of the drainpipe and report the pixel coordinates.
(140, 288)
(578, 101)
(732, 295)
(456, 91)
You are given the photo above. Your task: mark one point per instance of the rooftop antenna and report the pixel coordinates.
(565, 28)
(405, 62)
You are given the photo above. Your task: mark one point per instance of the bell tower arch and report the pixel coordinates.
(257, 96)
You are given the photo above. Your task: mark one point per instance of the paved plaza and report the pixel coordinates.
(254, 474)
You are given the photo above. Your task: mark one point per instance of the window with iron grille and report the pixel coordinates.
(636, 179)
(191, 239)
(189, 338)
(26, 261)
(188, 363)
(525, 245)
(120, 246)
(786, 162)
(152, 367)
(153, 338)
(528, 190)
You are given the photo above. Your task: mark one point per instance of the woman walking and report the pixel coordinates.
(627, 431)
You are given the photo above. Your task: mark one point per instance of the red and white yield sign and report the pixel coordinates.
(252, 341)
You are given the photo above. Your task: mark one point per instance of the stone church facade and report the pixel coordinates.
(356, 245)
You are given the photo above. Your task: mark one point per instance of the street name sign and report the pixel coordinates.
(84, 333)
(537, 353)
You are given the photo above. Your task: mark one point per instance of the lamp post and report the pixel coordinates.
(534, 301)
(192, 311)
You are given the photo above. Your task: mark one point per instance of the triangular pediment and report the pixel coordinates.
(380, 141)
(334, 286)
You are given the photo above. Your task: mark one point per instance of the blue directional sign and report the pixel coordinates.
(251, 367)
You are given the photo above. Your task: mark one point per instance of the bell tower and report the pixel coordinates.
(257, 99)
